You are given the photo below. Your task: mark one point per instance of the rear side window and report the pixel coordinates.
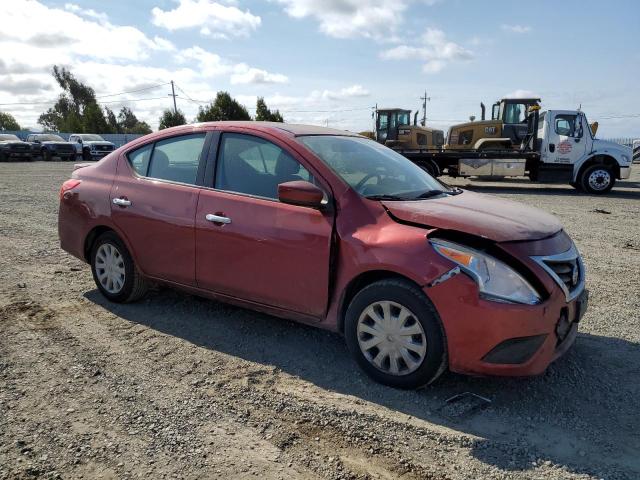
(177, 159)
(139, 159)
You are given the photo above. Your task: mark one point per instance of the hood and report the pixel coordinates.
(605, 146)
(98, 142)
(55, 142)
(478, 214)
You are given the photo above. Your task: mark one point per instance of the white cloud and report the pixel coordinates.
(376, 19)
(64, 28)
(212, 18)
(516, 28)
(521, 94)
(434, 49)
(213, 65)
(87, 12)
(246, 75)
(347, 92)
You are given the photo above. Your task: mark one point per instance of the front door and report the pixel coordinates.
(251, 246)
(567, 142)
(154, 200)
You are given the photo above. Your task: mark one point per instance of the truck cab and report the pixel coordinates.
(395, 130)
(569, 149)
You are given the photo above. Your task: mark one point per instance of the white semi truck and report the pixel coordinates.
(559, 147)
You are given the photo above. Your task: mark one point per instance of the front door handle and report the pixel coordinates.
(122, 202)
(217, 218)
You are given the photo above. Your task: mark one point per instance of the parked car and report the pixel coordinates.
(12, 148)
(91, 146)
(48, 146)
(335, 230)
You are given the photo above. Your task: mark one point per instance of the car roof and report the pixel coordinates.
(291, 128)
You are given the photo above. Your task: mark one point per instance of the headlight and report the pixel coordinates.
(625, 158)
(496, 280)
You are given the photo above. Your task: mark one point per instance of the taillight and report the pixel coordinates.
(68, 185)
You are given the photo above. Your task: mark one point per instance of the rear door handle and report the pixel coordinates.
(217, 218)
(123, 202)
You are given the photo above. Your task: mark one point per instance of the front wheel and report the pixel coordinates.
(395, 334)
(114, 271)
(597, 179)
(86, 155)
(46, 155)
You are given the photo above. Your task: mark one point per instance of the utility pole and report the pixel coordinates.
(173, 94)
(374, 110)
(424, 108)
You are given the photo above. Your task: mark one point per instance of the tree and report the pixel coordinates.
(112, 120)
(76, 110)
(8, 122)
(129, 123)
(170, 118)
(263, 114)
(223, 108)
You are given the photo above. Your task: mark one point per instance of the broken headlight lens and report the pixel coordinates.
(496, 280)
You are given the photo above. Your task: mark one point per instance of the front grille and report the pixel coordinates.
(104, 148)
(566, 269)
(65, 148)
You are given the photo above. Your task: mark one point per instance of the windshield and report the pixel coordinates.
(91, 138)
(371, 169)
(49, 138)
(7, 136)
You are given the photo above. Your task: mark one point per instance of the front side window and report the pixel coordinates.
(177, 158)
(254, 166)
(566, 126)
(372, 169)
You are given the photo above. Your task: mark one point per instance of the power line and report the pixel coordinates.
(134, 91)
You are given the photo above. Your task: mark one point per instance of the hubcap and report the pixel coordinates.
(391, 338)
(599, 179)
(110, 268)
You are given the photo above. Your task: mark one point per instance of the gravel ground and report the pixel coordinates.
(180, 387)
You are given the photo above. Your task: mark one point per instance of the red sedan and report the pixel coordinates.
(331, 229)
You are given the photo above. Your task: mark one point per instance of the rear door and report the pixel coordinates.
(566, 140)
(251, 246)
(153, 202)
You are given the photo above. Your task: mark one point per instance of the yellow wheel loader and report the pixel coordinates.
(394, 129)
(505, 131)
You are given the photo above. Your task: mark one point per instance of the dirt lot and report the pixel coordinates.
(180, 387)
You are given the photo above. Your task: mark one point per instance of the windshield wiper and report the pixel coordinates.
(385, 197)
(435, 193)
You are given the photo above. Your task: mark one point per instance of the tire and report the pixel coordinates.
(428, 352)
(3, 157)
(46, 155)
(431, 168)
(133, 286)
(86, 155)
(597, 179)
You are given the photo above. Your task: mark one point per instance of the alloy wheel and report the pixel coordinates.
(599, 179)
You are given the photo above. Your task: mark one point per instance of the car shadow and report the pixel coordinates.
(575, 415)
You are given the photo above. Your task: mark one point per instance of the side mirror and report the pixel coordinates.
(36, 141)
(79, 140)
(301, 193)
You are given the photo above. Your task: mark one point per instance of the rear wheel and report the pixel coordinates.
(597, 179)
(395, 335)
(114, 271)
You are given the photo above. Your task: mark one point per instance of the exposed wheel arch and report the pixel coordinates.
(92, 236)
(358, 283)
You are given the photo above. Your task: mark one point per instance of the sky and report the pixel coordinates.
(328, 62)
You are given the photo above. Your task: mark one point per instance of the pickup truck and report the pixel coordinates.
(12, 148)
(48, 146)
(91, 146)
